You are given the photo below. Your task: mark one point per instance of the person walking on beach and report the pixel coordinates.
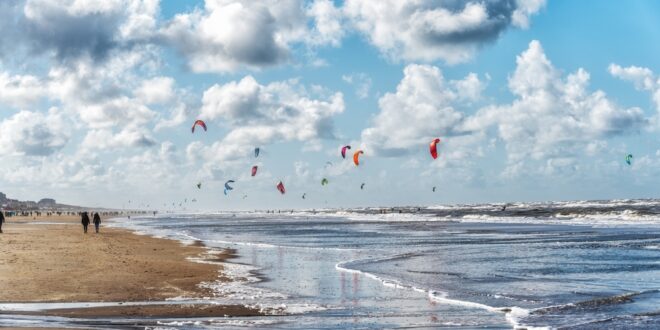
(2, 220)
(97, 221)
(85, 221)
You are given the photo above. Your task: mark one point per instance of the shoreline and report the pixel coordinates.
(50, 260)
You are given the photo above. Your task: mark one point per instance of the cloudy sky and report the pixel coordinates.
(533, 100)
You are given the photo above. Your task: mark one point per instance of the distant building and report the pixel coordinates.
(46, 202)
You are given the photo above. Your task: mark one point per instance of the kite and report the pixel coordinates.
(362, 186)
(256, 152)
(343, 151)
(434, 148)
(629, 159)
(324, 181)
(199, 123)
(227, 186)
(356, 157)
(254, 170)
(433, 188)
(199, 185)
(280, 187)
(303, 196)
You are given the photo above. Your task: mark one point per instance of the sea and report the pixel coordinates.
(551, 265)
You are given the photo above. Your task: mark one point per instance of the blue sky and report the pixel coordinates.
(533, 100)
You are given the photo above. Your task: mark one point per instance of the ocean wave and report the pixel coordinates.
(598, 213)
(512, 314)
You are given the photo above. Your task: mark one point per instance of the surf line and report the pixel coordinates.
(512, 314)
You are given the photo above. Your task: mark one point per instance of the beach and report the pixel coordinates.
(49, 259)
(579, 264)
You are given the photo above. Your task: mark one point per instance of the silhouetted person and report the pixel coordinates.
(2, 220)
(97, 222)
(85, 221)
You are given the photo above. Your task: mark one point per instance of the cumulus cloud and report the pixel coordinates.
(446, 30)
(102, 139)
(552, 117)
(21, 90)
(422, 108)
(156, 90)
(163, 165)
(117, 97)
(71, 28)
(34, 133)
(551, 121)
(643, 78)
(58, 170)
(470, 88)
(328, 27)
(260, 115)
(227, 35)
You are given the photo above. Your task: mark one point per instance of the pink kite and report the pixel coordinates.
(280, 187)
(200, 123)
(343, 151)
(434, 148)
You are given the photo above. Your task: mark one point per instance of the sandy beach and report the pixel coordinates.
(49, 259)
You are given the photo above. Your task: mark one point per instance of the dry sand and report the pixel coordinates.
(42, 262)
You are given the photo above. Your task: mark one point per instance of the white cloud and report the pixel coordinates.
(72, 28)
(421, 109)
(227, 35)
(469, 88)
(34, 133)
(260, 115)
(103, 139)
(179, 115)
(643, 78)
(524, 10)
(328, 23)
(163, 165)
(450, 30)
(156, 90)
(117, 96)
(361, 81)
(20, 91)
(552, 118)
(121, 111)
(58, 170)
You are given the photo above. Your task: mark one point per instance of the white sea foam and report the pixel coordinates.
(240, 287)
(221, 322)
(513, 314)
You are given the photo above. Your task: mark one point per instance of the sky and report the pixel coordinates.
(533, 100)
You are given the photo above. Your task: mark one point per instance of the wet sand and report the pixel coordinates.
(49, 259)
